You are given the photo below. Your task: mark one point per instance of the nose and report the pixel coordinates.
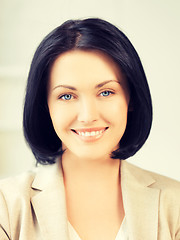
(88, 111)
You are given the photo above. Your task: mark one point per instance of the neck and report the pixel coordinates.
(86, 171)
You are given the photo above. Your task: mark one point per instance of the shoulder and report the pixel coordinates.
(15, 193)
(20, 181)
(152, 179)
(22, 185)
(16, 184)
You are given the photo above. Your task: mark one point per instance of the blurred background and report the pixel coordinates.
(154, 29)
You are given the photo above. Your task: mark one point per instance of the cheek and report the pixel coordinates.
(115, 112)
(61, 118)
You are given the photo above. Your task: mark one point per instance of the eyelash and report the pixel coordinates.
(107, 91)
(63, 96)
(71, 96)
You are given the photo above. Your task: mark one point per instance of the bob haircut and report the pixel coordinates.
(86, 34)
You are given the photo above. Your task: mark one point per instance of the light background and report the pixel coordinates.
(154, 29)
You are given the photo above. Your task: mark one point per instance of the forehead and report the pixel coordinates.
(84, 67)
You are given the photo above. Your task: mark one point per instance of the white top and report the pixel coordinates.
(121, 235)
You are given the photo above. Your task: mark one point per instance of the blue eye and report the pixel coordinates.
(66, 97)
(106, 93)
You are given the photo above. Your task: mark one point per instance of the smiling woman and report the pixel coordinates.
(89, 90)
(87, 108)
(108, 42)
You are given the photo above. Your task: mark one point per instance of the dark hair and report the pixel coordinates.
(87, 34)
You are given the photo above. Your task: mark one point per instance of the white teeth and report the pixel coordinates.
(89, 134)
(93, 133)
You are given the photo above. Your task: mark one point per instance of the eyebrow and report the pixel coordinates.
(105, 82)
(65, 86)
(97, 86)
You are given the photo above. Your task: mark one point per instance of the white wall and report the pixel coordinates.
(154, 29)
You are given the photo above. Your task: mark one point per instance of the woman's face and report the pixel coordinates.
(88, 101)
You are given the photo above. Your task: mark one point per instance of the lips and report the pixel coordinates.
(90, 134)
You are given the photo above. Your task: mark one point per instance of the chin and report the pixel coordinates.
(89, 155)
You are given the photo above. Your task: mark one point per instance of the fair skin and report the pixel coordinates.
(88, 102)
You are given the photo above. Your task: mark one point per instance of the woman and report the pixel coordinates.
(88, 108)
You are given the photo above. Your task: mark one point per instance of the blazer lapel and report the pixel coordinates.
(49, 203)
(141, 202)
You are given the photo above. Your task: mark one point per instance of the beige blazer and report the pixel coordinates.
(32, 206)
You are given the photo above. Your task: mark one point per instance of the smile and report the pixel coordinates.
(90, 134)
